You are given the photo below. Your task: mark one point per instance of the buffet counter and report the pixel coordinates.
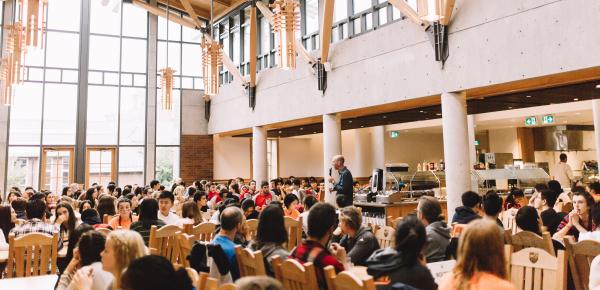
(392, 211)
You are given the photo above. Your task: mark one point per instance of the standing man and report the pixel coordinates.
(563, 173)
(343, 188)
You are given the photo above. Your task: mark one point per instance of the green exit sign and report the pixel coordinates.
(530, 121)
(394, 134)
(548, 119)
(476, 142)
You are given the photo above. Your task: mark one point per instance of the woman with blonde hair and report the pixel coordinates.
(480, 260)
(121, 248)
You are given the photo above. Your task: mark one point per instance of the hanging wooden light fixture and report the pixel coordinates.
(11, 72)
(166, 76)
(286, 20)
(430, 10)
(33, 17)
(211, 60)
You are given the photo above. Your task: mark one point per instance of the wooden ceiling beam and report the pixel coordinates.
(184, 21)
(190, 11)
(253, 45)
(447, 12)
(326, 29)
(204, 14)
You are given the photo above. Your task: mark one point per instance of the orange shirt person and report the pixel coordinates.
(125, 218)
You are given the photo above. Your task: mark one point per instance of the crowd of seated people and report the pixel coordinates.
(337, 237)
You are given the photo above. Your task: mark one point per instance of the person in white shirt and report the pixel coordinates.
(595, 274)
(593, 235)
(165, 203)
(562, 172)
(308, 202)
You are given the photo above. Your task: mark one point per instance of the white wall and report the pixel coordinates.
(192, 113)
(505, 141)
(412, 148)
(231, 157)
(301, 156)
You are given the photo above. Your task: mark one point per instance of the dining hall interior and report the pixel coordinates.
(299, 144)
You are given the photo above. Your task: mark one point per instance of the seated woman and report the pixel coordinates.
(480, 263)
(190, 213)
(148, 218)
(358, 240)
(515, 199)
(65, 217)
(290, 202)
(125, 218)
(73, 239)
(270, 235)
(527, 219)
(120, 249)
(579, 219)
(405, 263)
(155, 272)
(106, 206)
(593, 235)
(91, 217)
(86, 254)
(248, 207)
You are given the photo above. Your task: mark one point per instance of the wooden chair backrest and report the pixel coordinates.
(32, 254)
(293, 275)
(207, 283)
(250, 263)
(533, 268)
(204, 232)
(509, 222)
(206, 216)
(185, 242)
(228, 286)
(346, 281)
(526, 239)
(251, 227)
(385, 236)
(294, 230)
(580, 257)
(163, 242)
(104, 231)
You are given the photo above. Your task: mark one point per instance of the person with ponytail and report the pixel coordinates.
(155, 273)
(125, 218)
(480, 260)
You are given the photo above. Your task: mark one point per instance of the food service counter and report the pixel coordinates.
(392, 211)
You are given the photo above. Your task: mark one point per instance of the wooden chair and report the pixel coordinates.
(251, 227)
(346, 280)
(185, 243)
(527, 239)
(32, 254)
(163, 242)
(293, 275)
(104, 231)
(457, 229)
(580, 257)
(206, 283)
(206, 216)
(509, 221)
(250, 263)
(533, 268)
(228, 286)
(294, 229)
(385, 236)
(203, 232)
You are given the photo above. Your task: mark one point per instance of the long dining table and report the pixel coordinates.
(44, 282)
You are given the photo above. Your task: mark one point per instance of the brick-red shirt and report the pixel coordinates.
(262, 199)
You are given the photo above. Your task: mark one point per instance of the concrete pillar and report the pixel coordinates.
(332, 145)
(456, 148)
(149, 173)
(596, 112)
(378, 147)
(472, 149)
(259, 154)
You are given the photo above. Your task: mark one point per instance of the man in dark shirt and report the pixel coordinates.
(464, 214)
(544, 204)
(343, 188)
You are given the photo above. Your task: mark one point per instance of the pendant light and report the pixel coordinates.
(211, 60)
(430, 10)
(166, 76)
(33, 17)
(286, 18)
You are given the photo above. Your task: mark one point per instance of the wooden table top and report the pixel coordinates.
(4, 254)
(45, 282)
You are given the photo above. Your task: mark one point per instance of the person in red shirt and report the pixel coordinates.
(264, 197)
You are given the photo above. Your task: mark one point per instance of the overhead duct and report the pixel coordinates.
(560, 138)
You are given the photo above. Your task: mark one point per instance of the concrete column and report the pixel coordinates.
(596, 112)
(456, 148)
(259, 154)
(472, 148)
(149, 173)
(378, 147)
(332, 145)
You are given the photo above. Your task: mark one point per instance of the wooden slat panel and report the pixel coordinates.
(253, 46)
(528, 278)
(537, 279)
(326, 29)
(448, 7)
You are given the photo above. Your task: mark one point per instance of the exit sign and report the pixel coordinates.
(394, 134)
(530, 121)
(548, 119)
(476, 142)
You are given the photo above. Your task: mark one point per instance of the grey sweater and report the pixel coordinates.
(438, 238)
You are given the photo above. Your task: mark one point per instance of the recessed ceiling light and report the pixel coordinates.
(509, 107)
(421, 111)
(575, 99)
(597, 86)
(362, 126)
(528, 96)
(301, 128)
(279, 132)
(349, 121)
(577, 113)
(314, 132)
(384, 117)
(438, 114)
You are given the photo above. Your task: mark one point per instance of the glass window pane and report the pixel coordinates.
(23, 167)
(35, 74)
(361, 5)
(102, 118)
(70, 76)
(131, 165)
(369, 20)
(104, 53)
(236, 48)
(133, 55)
(26, 115)
(265, 36)
(192, 66)
(383, 16)
(35, 57)
(57, 11)
(174, 30)
(312, 16)
(105, 17)
(340, 10)
(190, 35)
(137, 21)
(60, 114)
(56, 167)
(168, 122)
(247, 44)
(133, 116)
(167, 165)
(174, 56)
(62, 50)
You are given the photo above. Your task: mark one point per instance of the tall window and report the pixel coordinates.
(116, 116)
(183, 44)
